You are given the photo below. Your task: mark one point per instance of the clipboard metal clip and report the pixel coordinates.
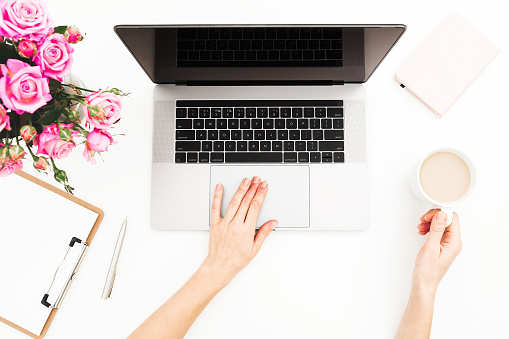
(65, 273)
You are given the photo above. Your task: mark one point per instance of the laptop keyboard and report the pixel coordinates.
(259, 47)
(259, 131)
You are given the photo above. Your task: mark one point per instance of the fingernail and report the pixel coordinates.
(273, 225)
(441, 216)
(256, 179)
(245, 182)
(219, 187)
(264, 184)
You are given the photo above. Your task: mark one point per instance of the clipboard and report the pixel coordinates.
(71, 253)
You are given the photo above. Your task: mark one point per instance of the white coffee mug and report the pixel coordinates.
(447, 206)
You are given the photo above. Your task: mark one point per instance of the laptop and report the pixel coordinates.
(284, 102)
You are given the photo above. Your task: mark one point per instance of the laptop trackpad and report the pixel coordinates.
(287, 199)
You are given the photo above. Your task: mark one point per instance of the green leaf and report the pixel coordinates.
(60, 29)
(50, 117)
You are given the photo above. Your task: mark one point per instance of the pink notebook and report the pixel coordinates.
(446, 63)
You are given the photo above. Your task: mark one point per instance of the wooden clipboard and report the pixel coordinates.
(90, 237)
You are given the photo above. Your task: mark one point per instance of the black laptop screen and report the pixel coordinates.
(259, 54)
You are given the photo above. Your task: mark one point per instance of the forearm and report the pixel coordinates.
(174, 318)
(418, 315)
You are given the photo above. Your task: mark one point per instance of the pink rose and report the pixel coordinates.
(5, 121)
(27, 48)
(109, 105)
(28, 133)
(24, 18)
(41, 164)
(99, 140)
(23, 87)
(9, 167)
(50, 144)
(73, 35)
(54, 57)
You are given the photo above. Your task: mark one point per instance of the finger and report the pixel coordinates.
(437, 228)
(237, 198)
(246, 201)
(455, 225)
(256, 204)
(428, 216)
(423, 228)
(263, 233)
(215, 215)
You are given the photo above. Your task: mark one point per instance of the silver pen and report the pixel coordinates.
(110, 279)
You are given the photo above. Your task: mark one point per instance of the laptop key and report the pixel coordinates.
(326, 123)
(181, 113)
(339, 157)
(290, 157)
(227, 112)
(224, 135)
(257, 157)
(247, 135)
(334, 135)
(241, 146)
(268, 123)
(201, 135)
(291, 123)
(230, 146)
(233, 123)
(216, 113)
(289, 146)
(317, 134)
(239, 112)
(198, 123)
(263, 112)
(303, 156)
(331, 146)
(315, 157)
(282, 134)
(206, 146)
(280, 123)
(309, 112)
(210, 123)
(204, 112)
(326, 156)
(236, 135)
(213, 135)
(192, 157)
(277, 146)
(250, 112)
(273, 112)
(217, 157)
(286, 112)
(334, 112)
(314, 123)
(337, 123)
(312, 145)
(320, 112)
(297, 112)
(218, 146)
(184, 123)
(303, 123)
(187, 146)
(254, 146)
(222, 123)
(245, 123)
(256, 123)
(259, 135)
(271, 134)
(180, 157)
(305, 134)
(265, 146)
(294, 134)
(185, 135)
(300, 145)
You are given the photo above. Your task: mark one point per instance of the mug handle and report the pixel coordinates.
(448, 211)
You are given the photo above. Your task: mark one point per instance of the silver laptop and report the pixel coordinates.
(284, 102)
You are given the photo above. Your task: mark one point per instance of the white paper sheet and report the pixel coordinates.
(36, 226)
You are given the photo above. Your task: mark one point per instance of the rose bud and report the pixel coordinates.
(16, 152)
(41, 164)
(5, 121)
(73, 35)
(28, 133)
(27, 48)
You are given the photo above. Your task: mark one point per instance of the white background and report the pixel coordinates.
(302, 284)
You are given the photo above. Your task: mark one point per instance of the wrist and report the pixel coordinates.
(424, 291)
(213, 274)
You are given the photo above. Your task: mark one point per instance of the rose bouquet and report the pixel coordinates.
(37, 106)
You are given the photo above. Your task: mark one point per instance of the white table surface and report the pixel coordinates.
(302, 284)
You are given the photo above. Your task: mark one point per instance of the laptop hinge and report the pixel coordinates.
(259, 83)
